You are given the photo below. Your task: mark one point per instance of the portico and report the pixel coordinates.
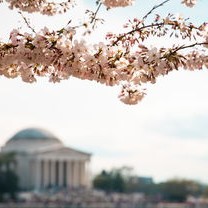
(43, 161)
(62, 170)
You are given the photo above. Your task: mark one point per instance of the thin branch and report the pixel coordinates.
(94, 15)
(154, 8)
(136, 30)
(189, 46)
(27, 22)
(96, 12)
(172, 52)
(92, 19)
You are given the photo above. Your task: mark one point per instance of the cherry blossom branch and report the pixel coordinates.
(190, 46)
(154, 8)
(93, 16)
(139, 31)
(94, 19)
(44, 7)
(120, 37)
(52, 8)
(58, 56)
(27, 22)
(54, 54)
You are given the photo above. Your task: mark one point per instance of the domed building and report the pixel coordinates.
(42, 161)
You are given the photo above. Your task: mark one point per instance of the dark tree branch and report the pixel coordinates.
(154, 8)
(27, 22)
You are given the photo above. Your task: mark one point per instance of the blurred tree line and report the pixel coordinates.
(8, 178)
(174, 190)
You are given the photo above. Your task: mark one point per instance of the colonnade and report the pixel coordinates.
(61, 173)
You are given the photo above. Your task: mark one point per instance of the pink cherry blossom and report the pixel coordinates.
(117, 3)
(189, 3)
(123, 59)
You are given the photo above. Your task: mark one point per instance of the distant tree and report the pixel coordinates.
(103, 181)
(174, 190)
(122, 180)
(177, 190)
(141, 184)
(8, 178)
(118, 182)
(112, 181)
(205, 191)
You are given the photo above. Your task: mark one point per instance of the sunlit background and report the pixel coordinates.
(164, 136)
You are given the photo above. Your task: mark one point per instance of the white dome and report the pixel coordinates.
(31, 140)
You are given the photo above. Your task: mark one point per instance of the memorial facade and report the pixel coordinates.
(43, 161)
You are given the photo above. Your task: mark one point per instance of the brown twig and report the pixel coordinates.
(172, 52)
(189, 46)
(27, 22)
(94, 16)
(96, 12)
(136, 30)
(154, 8)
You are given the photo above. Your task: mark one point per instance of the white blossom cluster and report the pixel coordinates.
(125, 60)
(51, 7)
(189, 3)
(117, 3)
(57, 56)
(44, 7)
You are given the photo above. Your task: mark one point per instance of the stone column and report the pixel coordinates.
(49, 173)
(61, 174)
(38, 174)
(57, 173)
(32, 174)
(69, 174)
(53, 171)
(46, 174)
(87, 174)
(72, 174)
(42, 174)
(76, 174)
(71, 177)
(82, 173)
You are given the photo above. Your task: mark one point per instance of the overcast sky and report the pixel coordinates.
(164, 136)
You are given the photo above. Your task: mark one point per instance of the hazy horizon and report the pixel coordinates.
(164, 136)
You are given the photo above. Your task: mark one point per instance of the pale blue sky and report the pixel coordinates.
(164, 136)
